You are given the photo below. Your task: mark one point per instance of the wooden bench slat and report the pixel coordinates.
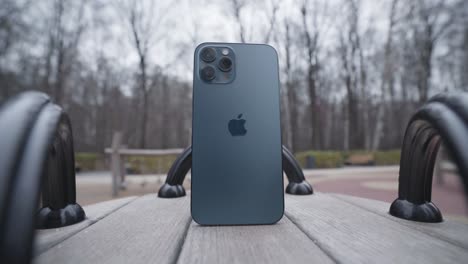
(145, 152)
(148, 230)
(453, 232)
(280, 243)
(47, 238)
(321, 228)
(351, 234)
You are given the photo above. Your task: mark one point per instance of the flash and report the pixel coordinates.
(225, 51)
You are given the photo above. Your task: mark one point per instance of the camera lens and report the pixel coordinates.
(208, 54)
(225, 64)
(207, 73)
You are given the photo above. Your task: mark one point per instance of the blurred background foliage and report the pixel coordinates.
(352, 71)
(321, 159)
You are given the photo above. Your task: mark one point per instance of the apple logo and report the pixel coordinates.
(236, 126)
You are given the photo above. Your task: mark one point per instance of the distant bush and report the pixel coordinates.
(323, 159)
(150, 164)
(391, 157)
(336, 159)
(87, 161)
(348, 154)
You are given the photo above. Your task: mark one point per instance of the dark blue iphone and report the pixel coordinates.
(236, 135)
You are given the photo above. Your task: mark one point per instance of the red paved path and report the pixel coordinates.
(369, 182)
(448, 197)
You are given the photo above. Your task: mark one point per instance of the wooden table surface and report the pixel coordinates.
(320, 228)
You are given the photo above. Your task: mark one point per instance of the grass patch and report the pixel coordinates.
(336, 159)
(87, 161)
(150, 164)
(322, 159)
(390, 157)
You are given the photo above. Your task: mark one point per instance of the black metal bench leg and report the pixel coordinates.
(297, 185)
(31, 124)
(59, 207)
(173, 188)
(443, 118)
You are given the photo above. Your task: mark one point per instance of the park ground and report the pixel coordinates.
(380, 183)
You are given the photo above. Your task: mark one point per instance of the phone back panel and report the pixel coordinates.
(238, 179)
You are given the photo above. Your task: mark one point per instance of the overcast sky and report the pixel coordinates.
(187, 23)
(180, 25)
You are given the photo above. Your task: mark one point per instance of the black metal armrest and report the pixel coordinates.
(443, 118)
(173, 188)
(37, 149)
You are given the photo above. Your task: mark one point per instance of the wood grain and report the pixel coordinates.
(47, 238)
(321, 228)
(351, 234)
(279, 243)
(148, 230)
(450, 231)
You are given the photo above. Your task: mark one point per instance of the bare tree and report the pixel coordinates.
(12, 24)
(13, 30)
(463, 22)
(237, 7)
(429, 21)
(290, 92)
(464, 63)
(269, 9)
(141, 31)
(349, 52)
(350, 89)
(62, 47)
(272, 7)
(313, 31)
(144, 22)
(387, 80)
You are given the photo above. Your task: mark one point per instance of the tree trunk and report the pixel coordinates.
(144, 115)
(293, 113)
(313, 107)
(165, 114)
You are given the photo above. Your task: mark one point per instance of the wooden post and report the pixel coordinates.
(159, 165)
(122, 172)
(439, 169)
(116, 163)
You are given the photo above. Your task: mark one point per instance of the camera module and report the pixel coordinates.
(207, 73)
(208, 54)
(225, 64)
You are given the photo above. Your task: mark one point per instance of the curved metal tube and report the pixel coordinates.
(32, 122)
(297, 183)
(173, 188)
(17, 115)
(455, 101)
(59, 185)
(443, 118)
